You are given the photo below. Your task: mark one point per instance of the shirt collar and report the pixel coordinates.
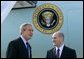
(61, 47)
(23, 40)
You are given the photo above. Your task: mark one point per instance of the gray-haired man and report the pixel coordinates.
(60, 50)
(20, 48)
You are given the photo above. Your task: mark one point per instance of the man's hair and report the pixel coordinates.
(22, 27)
(59, 33)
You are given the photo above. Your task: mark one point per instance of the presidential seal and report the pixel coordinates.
(48, 18)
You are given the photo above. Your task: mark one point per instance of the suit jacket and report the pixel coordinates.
(17, 49)
(66, 53)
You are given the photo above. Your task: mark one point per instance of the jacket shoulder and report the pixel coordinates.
(69, 49)
(14, 42)
(71, 52)
(50, 50)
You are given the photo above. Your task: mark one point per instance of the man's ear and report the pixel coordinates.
(24, 29)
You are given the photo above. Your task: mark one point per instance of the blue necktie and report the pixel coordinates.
(28, 49)
(58, 53)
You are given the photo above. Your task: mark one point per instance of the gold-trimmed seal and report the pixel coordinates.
(48, 18)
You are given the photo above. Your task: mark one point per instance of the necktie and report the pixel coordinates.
(28, 49)
(58, 53)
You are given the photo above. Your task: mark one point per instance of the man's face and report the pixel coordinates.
(57, 40)
(28, 32)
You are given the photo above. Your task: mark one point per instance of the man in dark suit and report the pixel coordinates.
(20, 48)
(60, 50)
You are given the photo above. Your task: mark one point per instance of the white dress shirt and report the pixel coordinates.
(23, 40)
(25, 43)
(61, 48)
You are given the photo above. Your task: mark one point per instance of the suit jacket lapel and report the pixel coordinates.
(63, 52)
(30, 51)
(25, 47)
(22, 43)
(54, 52)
